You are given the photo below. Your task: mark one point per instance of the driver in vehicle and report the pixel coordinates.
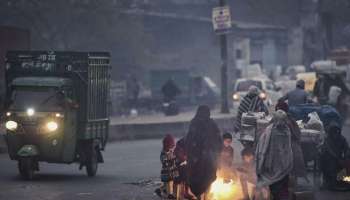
(65, 101)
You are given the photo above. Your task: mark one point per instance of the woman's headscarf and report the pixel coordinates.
(280, 119)
(203, 113)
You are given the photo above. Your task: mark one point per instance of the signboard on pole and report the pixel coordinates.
(222, 20)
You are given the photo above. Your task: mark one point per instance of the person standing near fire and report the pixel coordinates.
(274, 157)
(203, 144)
(335, 156)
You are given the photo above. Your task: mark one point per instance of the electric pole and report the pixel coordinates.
(223, 50)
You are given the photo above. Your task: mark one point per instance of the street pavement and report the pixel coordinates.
(130, 172)
(159, 118)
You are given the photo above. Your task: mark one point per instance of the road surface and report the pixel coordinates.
(130, 173)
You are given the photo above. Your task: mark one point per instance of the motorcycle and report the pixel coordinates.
(170, 108)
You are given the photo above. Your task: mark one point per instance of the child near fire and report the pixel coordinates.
(227, 152)
(183, 190)
(226, 169)
(169, 170)
(248, 178)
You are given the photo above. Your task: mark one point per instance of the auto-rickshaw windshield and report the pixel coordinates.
(41, 98)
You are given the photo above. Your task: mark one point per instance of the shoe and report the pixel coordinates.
(189, 197)
(170, 196)
(158, 192)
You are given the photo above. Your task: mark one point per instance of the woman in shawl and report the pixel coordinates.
(274, 157)
(299, 169)
(203, 147)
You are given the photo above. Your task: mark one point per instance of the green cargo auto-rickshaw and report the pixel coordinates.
(56, 108)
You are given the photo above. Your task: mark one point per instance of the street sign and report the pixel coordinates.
(222, 20)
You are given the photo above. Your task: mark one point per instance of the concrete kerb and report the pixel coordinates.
(158, 130)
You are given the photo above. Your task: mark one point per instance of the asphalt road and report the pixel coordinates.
(126, 164)
(130, 172)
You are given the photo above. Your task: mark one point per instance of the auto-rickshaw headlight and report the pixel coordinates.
(58, 115)
(52, 126)
(11, 125)
(30, 111)
(8, 114)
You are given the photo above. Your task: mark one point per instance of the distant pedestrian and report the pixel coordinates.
(297, 96)
(203, 148)
(320, 90)
(133, 90)
(170, 90)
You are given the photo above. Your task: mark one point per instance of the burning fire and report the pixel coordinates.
(223, 190)
(346, 179)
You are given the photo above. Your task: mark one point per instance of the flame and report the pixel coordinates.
(346, 179)
(223, 190)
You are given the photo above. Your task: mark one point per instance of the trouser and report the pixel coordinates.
(279, 190)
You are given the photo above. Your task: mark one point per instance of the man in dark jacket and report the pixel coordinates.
(203, 147)
(297, 96)
(170, 90)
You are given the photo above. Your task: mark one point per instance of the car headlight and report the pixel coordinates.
(52, 126)
(11, 125)
(30, 111)
(263, 95)
(235, 97)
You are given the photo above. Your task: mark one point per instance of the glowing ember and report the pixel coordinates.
(222, 190)
(346, 179)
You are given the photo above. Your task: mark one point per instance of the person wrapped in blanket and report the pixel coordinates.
(299, 169)
(250, 102)
(169, 171)
(335, 156)
(274, 157)
(203, 144)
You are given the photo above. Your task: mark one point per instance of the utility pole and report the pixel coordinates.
(223, 50)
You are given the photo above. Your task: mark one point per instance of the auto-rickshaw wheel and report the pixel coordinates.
(26, 168)
(92, 163)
